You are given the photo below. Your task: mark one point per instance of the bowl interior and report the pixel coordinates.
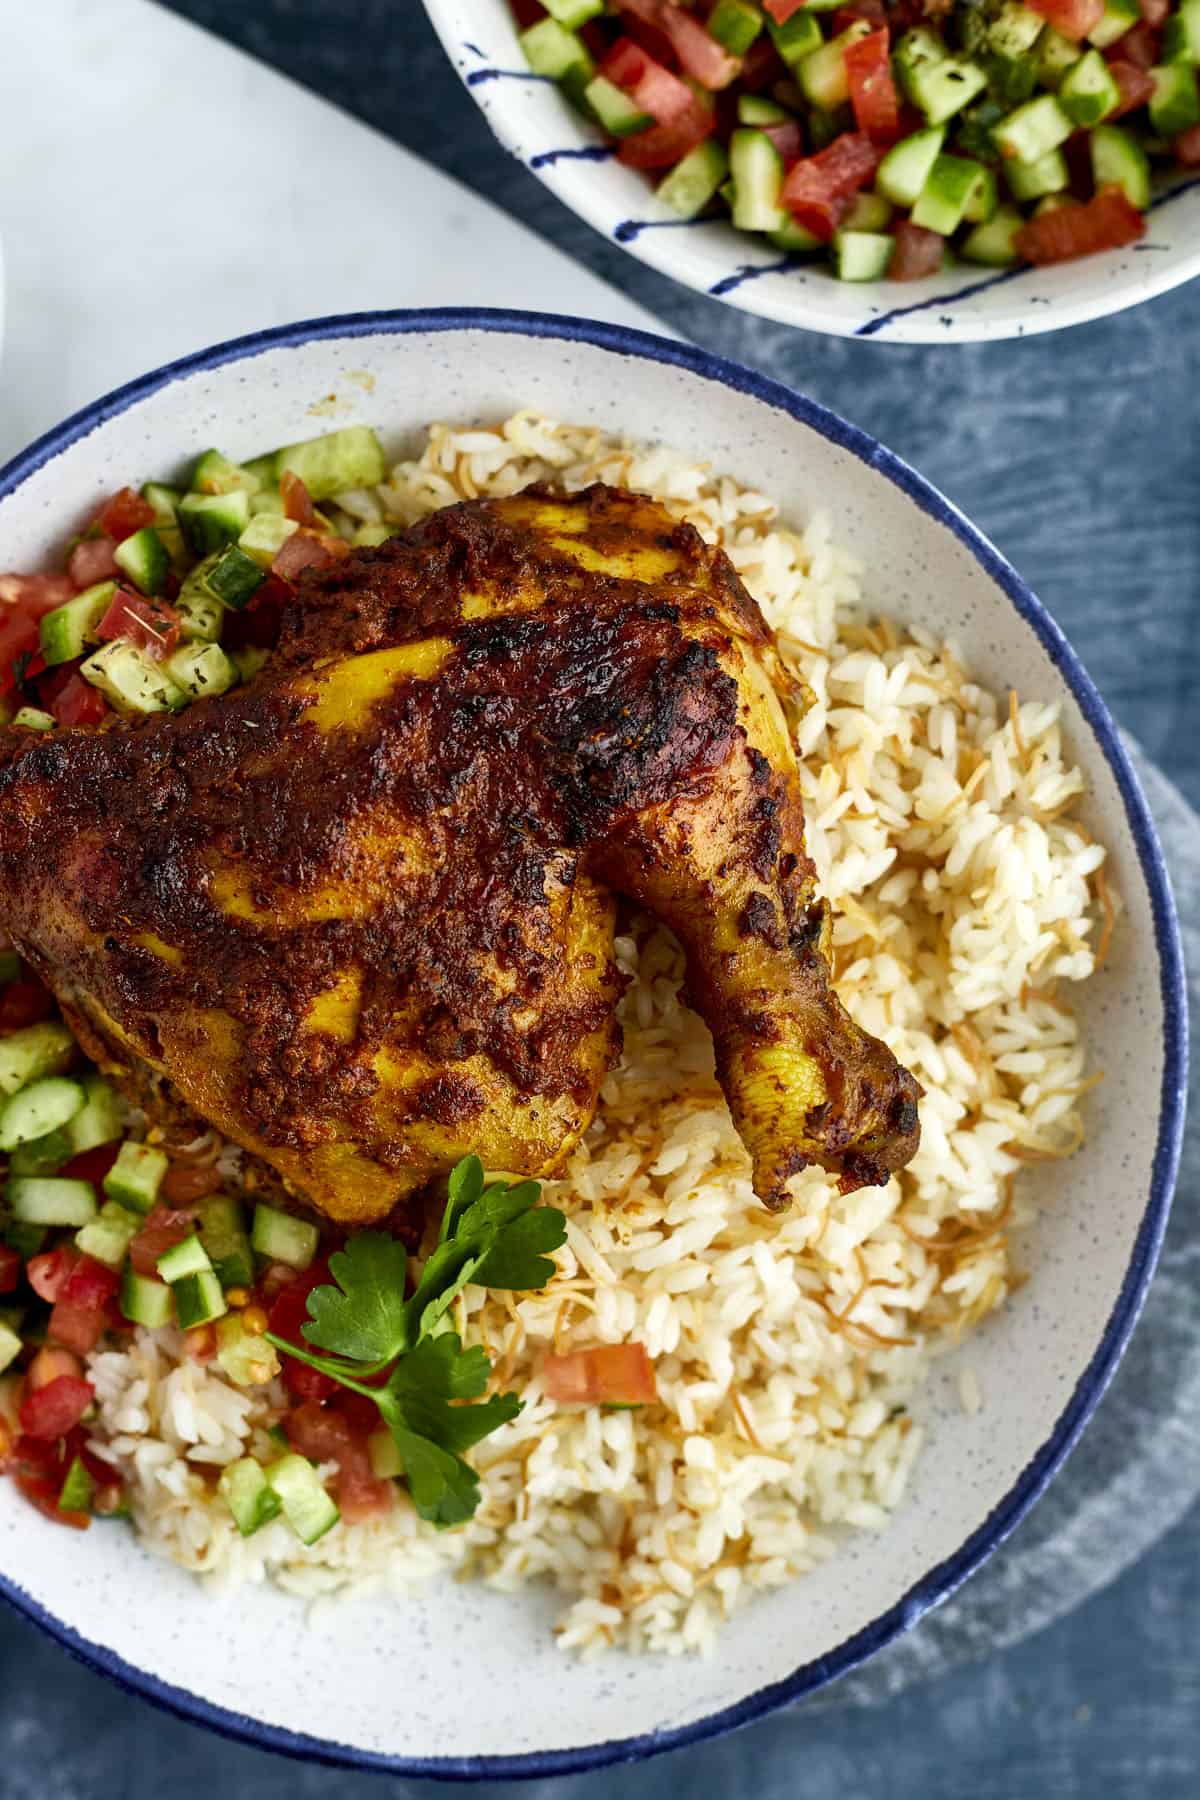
(383, 1677)
(535, 122)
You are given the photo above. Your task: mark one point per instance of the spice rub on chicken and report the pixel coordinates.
(360, 912)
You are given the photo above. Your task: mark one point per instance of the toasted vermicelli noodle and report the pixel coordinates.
(789, 1352)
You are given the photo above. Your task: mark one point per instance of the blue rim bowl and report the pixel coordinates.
(941, 1581)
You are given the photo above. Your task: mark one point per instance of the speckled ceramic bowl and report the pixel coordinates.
(532, 119)
(382, 1682)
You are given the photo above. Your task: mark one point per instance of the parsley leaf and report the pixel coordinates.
(364, 1317)
(496, 1236)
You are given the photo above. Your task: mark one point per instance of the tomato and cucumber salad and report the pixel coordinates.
(889, 136)
(172, 593)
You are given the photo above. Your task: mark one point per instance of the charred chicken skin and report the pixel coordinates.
(359, 913)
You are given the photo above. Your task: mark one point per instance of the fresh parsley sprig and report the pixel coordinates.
(492, 1235)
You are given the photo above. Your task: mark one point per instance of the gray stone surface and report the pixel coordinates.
(1080, 454)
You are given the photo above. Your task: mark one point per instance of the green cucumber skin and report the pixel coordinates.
(281, 1237)
(41, 1107)
(136, 1176)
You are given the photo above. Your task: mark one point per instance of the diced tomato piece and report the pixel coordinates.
(18, 639)
(334, 1434)
(872, 90)
(610, 1374)
(124, 514)
(91, 1284)
(24, 1002)
(651, 86)
(152, 625)
(165, 1227)
(817, 191)
(92, 560)
(49, 1412)
(40, 1468)
(33, 595)
(788, 139)
(10, 1269)
(1187, 147)
(79, 703)
(527, 13)
(183, 1183)
(1071, 18)
(1136, 85)
(1140, 46)
(288, 1314)
(49, 1272)
(77, 1328)
(303, 550)
(1105, 222)
(91, 1165)
(1155, 11)
(699, 53)
(297, 501)
(873, 11)
(782, 10)
(661, 146)
(918, 252)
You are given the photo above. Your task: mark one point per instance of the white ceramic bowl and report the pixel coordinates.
(532, 119)
(381, 1682)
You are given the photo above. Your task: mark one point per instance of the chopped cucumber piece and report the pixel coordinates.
(63, 633)
(386, 1461)
(573, 13)
(1015, 29)
(186, 1258)
(823, 76)
(51, 1200)
(32, 1052)
(133, 681)
(370, 535)
(281, 1237)
(902, 174)
(41, 1107)
(1029, 181)
(136, 1176)
(614, 110)
(1033, 130)
(216, 474)
(795, 239)
(224, 1236)
(307, 1508)
(269, 501)
(1119, 17)
(244, 1488)
(1088, 92)
(201, 670)
(211, 520)
(99, 1119)
(164, 501)
(1119, 160)
(34, 719)
(550, 50)
(10, 966)
(1055, 56)
(994, 243)
(198, 1299)
(939, 84)
(264, 537)
(203, 615)
(41, 1156)
(77, 1489)
(798, 38)
(26, 1240)
(867, 212)
(1175, 102)
(757, 169)
(694, 180)
(1181, 34)
(862, 255)
(984, 197)
(736, 24)
(263, 469)
(144, 558)
(233, 577)
(108, 1236)
(942, 204)
(249, 661)
(343, 459)
(756, 109)
(145, 1301)
(11, 1345)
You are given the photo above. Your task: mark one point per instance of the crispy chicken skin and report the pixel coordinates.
(360, 912)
